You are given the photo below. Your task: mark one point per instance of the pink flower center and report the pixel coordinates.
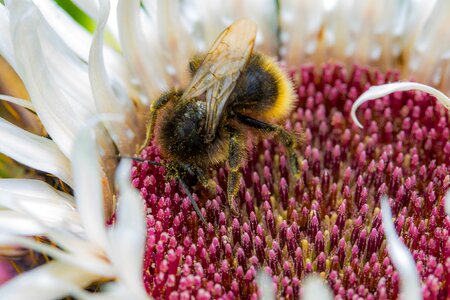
(329, 220)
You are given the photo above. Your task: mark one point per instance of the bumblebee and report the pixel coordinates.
(233, 91)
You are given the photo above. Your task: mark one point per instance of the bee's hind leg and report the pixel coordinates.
(289, 140)
(236, 153)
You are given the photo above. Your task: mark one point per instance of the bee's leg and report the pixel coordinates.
(195, 63)
(204, 181)
(289, 140)
(156, 105)
(193, 203)
(236, 152)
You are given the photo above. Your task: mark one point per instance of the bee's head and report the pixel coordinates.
(181, 133)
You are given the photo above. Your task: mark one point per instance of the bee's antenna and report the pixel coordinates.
(194, 204)
(183, 184)
(151, 162)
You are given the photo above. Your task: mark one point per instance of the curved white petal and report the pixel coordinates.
(77, 38)
(34, 151)
(107, 101)
(6, 48)
(54, 76)
(33, 197)
(376, 92)
(73, 34)
(15, 223)
(88, 186)
(400, 256)
(45, 282)
(18, 101)
(89, 263)
(127, 237)
(315, 288)
(90, 7)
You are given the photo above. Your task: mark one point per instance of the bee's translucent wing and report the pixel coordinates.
(220, 69)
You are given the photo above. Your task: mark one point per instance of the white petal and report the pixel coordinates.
(88, 186)
(401, 257)
(51, 207)
(22, 102)
(53, 75)
(175, 40)
(127, 237)
(107, 101)
(45, 282)
(90, 7)
(447, 202)
(6, 48)
(12, 222)
(301, 23)
(265, 286)
(90, 263)
(77, 38)
(34, 151)
(189, 27)
(430, 57)
(376, 92)
(142, 52)
(73, 34)
(315, 288)
(110, 291)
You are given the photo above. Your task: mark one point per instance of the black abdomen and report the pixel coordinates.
(256, 89)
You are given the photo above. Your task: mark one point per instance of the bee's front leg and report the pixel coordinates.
(154, 108)
(180, 171)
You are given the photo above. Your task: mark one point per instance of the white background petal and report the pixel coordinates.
(142, 53)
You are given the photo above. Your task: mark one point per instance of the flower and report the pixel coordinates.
(327, 222)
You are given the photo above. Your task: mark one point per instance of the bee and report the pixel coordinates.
(233, 91)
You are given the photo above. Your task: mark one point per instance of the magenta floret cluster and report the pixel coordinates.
(329, 220)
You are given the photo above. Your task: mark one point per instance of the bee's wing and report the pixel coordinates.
(220, 69)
